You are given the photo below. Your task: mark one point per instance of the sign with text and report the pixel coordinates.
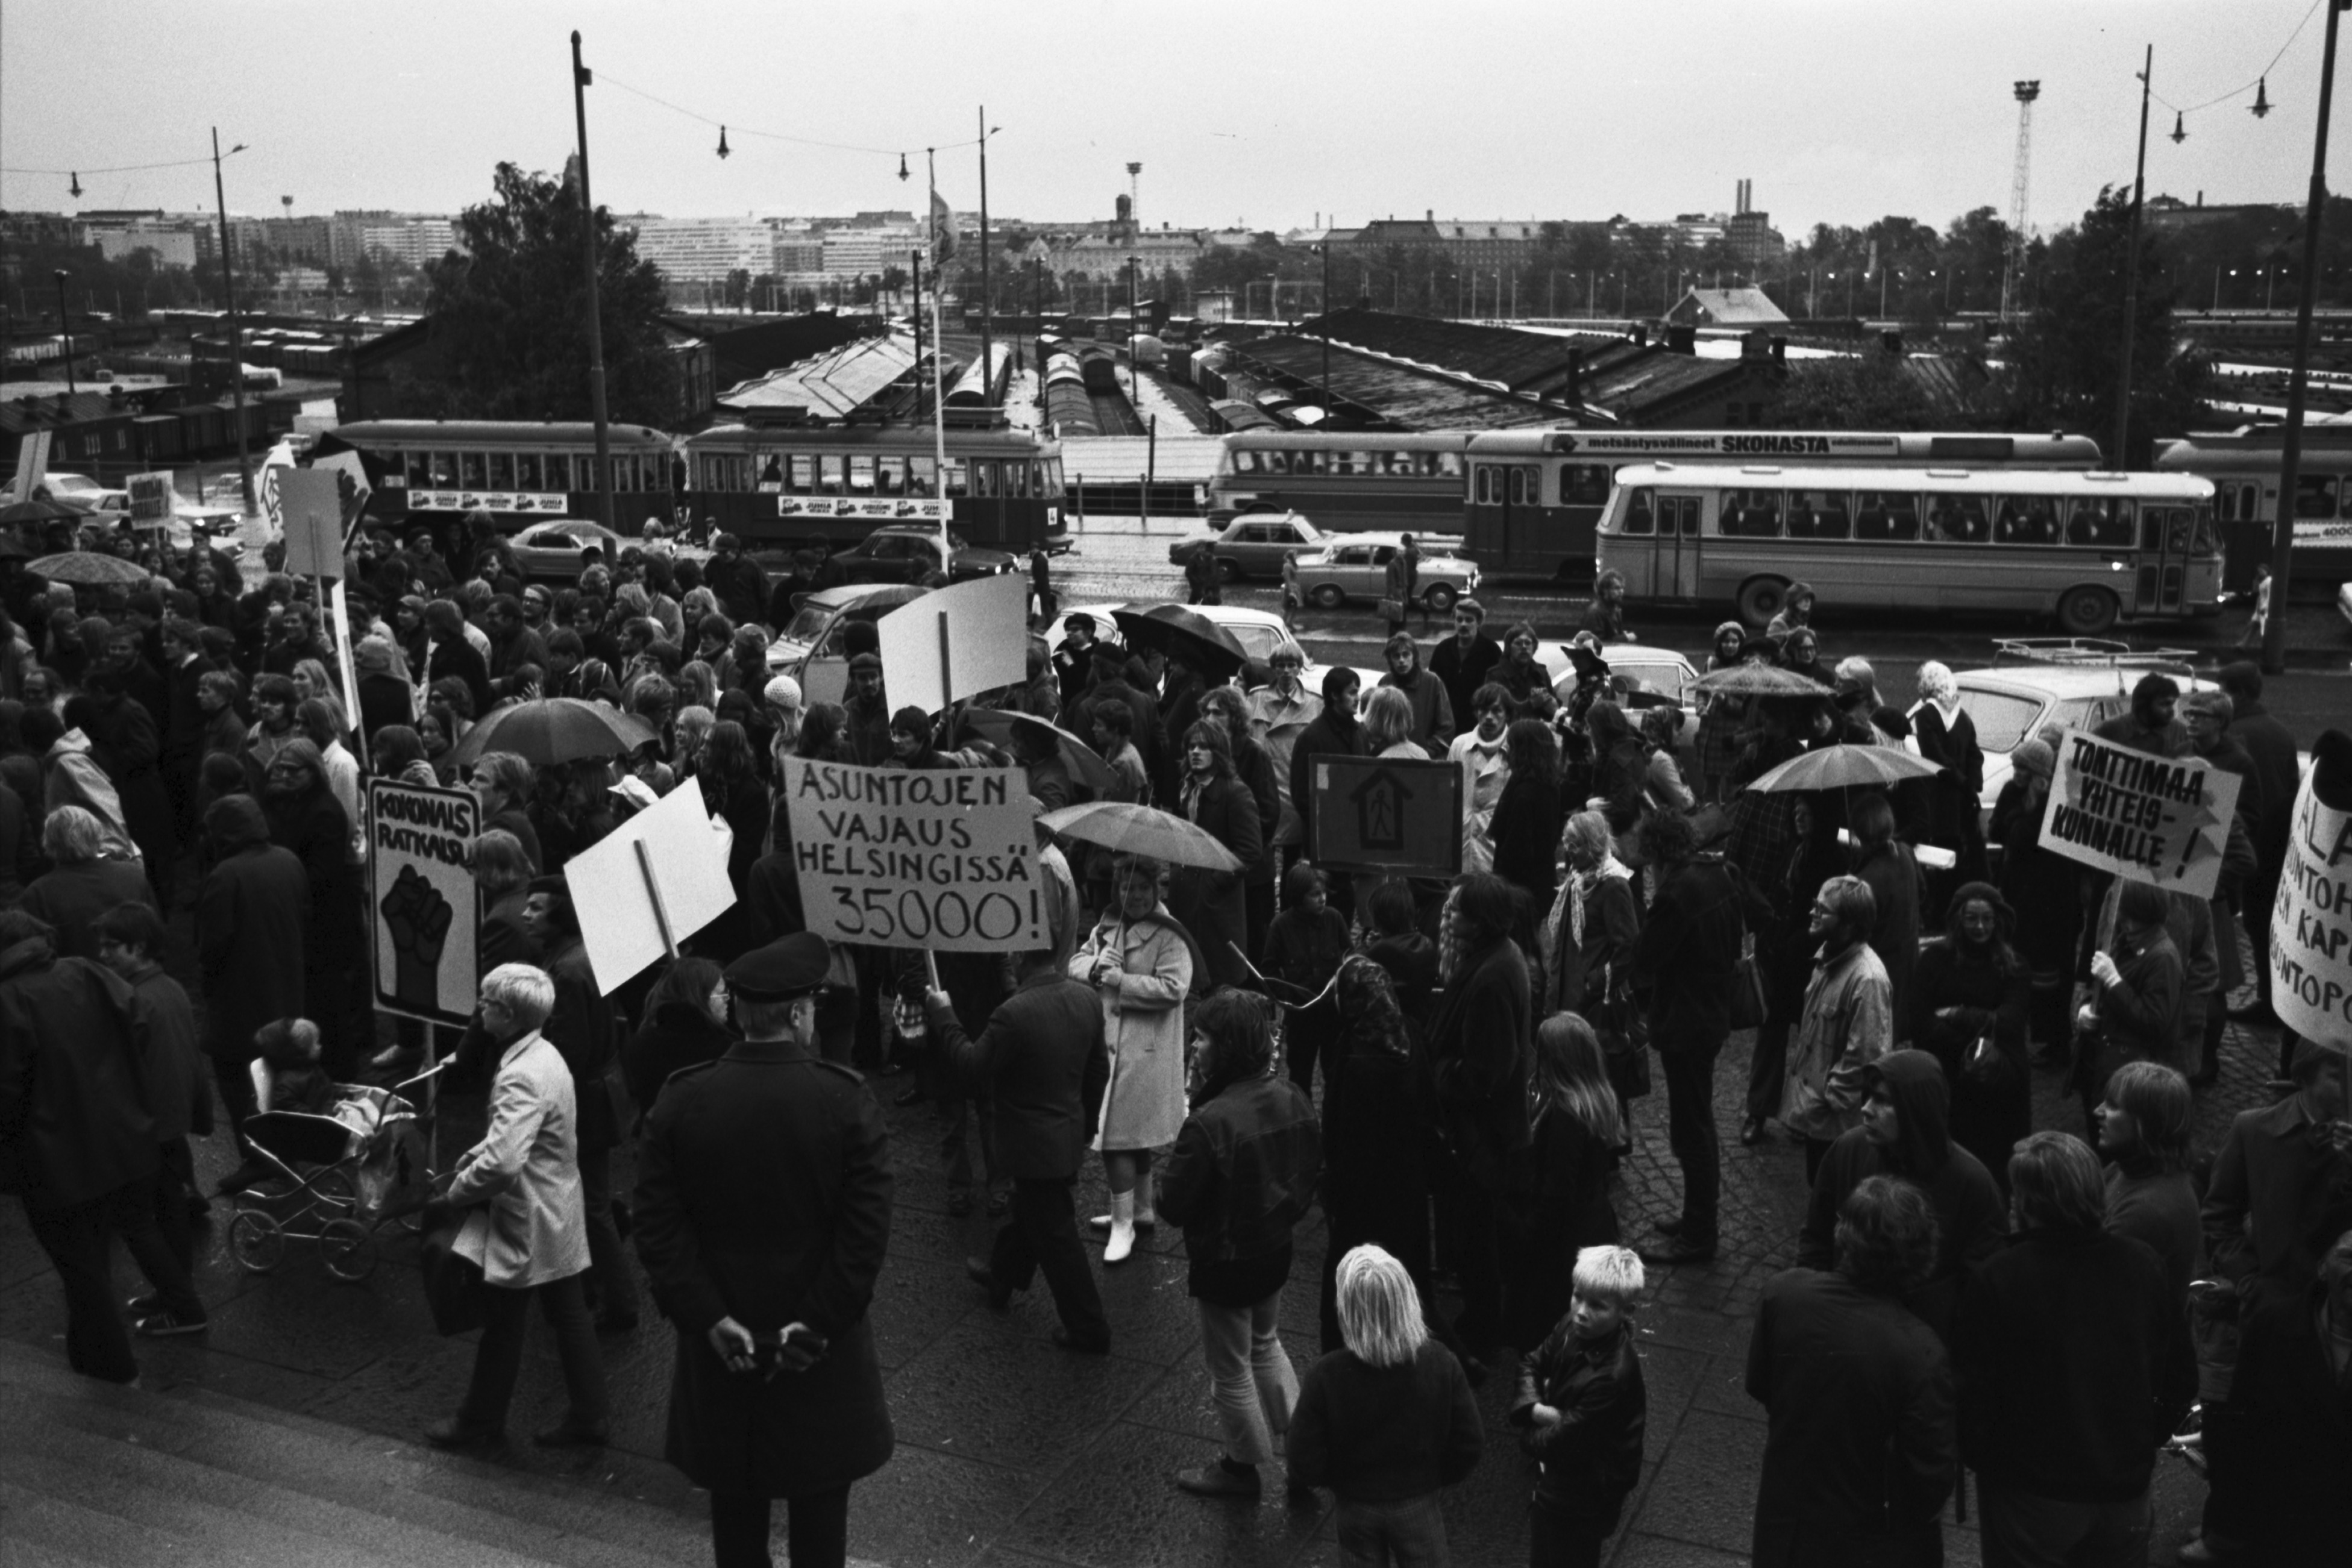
(425, 920)
(2161, 820)
(312, 516)
(352, 487)
(898, 509)
(2311, 924)
(1388, 814)
(985, 624)
(636, 903)
(152, 500)
(944, 859)
(488, 501)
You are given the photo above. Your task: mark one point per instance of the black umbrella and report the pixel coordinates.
(37, 512)
(1186, 634)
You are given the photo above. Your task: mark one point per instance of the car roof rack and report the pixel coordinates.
(2092, 653)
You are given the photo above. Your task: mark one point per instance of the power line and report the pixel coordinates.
(117, 169)
(606, 79)
(2259, 75)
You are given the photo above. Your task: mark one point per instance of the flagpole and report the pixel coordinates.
(942, 242)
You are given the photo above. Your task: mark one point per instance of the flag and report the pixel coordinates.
(943, 230)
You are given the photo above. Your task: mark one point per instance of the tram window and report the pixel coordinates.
(1483, 485)
(1343, 463)
(624, 475)
(420, 470)
(525, 470)
(1818, 514)
(984, 479)
(502, 471)
(1448, 465)
(922, 475)
(1527, 484)
(1886, 515)
(1641, 513)
(954, 479)
(472, 471)
(2250, 503)
(1750, 514)
(1583, 484)
(831, 471)
(558, 471)
(861, 474)
(889, 476)
(1020, 477)
(800, 467)
(2314, 495)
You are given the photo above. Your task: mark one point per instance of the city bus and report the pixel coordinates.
(1535, 495)
(776, 486)
(1343, 481)
(519, 471)
(2085, 548)
(2243, 464)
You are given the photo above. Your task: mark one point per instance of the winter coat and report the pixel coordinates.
(252, 914)
(1848, 1023)
(678, 1036)
(75, 1123)
(1211, 903)
(1894, 878)
(2298, 1436)
(1244, 1171)
(1525, 836)
(1993, 1103)
(1383, 1434)
(1587, 1464)
(1480, 1050)
(526, 1223)
(1143, 1026)
(1040, 1068)
(72, 897)
(2277, 1197)
(1687, 953)
(1432, 712)
(764, 1196)
(1563, 1207)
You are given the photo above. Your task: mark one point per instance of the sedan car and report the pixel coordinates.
(79, 492)
(888, 554)
(1355, 565)
(552, 550)
(1260, 633)
(2075, 685)
(1650, 676)
(814, 648)
(217, 526)
(1254, 543)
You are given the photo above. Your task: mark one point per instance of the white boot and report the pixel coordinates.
(1122, 1228)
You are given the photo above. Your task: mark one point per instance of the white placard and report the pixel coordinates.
(686, 858)
(987, 629)
(2311, 924)
(152, 498)
(2161, 820)
(313, 514)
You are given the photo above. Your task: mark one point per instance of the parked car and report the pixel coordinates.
(1254, 543)
(552, 549)
(220, 527)
(1260, 633)
(812, 649)
(885, 556)
(1651, 676)
(79, 492)
(2077, 683)
(1354, 567)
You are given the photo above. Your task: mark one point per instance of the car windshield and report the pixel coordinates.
(808, 624)
(1257, 642)
(1666, 679)
(2001, 718)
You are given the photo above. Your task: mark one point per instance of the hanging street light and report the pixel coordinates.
(2261, 104)
(722, 141)
(2179, 134)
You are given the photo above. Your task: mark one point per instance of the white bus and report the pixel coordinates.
(2086, 548)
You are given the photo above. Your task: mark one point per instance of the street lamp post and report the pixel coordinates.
(236, 338)
(2290, 445)
(580, 78)
(64, 331)
(1326, 249)
(2120, 458)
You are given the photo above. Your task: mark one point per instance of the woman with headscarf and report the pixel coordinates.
(1212, 904)
(1375, 1123)
(1947, 736)
(1587, 937)
(1970, 997)
(1796, 610)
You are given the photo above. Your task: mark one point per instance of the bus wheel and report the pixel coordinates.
(1760, 599)
(2086, 612)
(1329, 596)
(1228, 569)
(1439, 597)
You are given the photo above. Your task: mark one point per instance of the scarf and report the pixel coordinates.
(1581, 885)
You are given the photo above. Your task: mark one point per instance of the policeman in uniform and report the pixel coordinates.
(763, 1214)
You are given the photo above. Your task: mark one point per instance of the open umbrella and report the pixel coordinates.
(38, 512)
(1186, 634)
(90, 568)
(554, 729)
(1126, 828)
(1846, 767)
(14, 549)
(1085, 765)
(1761, 680)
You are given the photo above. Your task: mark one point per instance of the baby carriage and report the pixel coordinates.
(340, 1175)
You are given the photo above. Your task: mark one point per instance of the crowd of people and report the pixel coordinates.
(1447, 1070)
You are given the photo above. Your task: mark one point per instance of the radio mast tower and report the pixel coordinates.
(2013, 275)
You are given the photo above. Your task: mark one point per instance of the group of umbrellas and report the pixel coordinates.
(1830, 767)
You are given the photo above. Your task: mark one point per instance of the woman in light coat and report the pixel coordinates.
(526, 1225)
(1140, 963)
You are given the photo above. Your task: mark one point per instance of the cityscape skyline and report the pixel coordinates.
(1266, 121)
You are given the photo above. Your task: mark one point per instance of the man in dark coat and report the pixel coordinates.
(1460, 661)
(251, 914)
(1686, 958)
(582, 1030)
(82, 882)
(453, 656)
(1334, 732)
(2292, 1384)
(764, 1217)
(2150, 726)
(736, 580)
(1042, 1067)
(2271, 747)
(2074, 1366)
(1861, 1449)
(183, 719)
(77, 1142)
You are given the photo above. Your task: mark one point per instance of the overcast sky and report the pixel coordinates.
(1240, 110)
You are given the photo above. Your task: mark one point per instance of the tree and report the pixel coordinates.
(2063, 360)
(508, 312)
(739, 289)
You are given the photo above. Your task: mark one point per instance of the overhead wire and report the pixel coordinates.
(733, 128)
(117, 169)
(2259, 75)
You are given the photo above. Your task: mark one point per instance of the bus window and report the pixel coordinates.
(1750, 514)
(861, 474)
(2113, 531)
(831, 473)
(1342, 463)
(420, 470)
(558, 471)
(2027, 520)
(2209, 538)
(2314, 495)
(527, 470)
(1818, 514)
(954, 481)
(922, 475)
(1274, 462)
(473, 470)
(1957, 520)
(502, 471)
(1640, 514)
(1583, 484)
(1886, 515)
(2166, 528)
(1448, 465)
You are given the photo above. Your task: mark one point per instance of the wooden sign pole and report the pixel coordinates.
(653, 891)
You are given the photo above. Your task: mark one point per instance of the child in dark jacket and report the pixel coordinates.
(1303, 947)
(1387, 1422)
(1580, 1410)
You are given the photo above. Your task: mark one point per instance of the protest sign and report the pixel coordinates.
(352, 487)
(32, 464)
(2311, 923)
(2162, 820)
(649, 884)
(152, 498)
(425, 918)
(945, 860)
(1388, 814)
(956, 641)
(313, 515)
